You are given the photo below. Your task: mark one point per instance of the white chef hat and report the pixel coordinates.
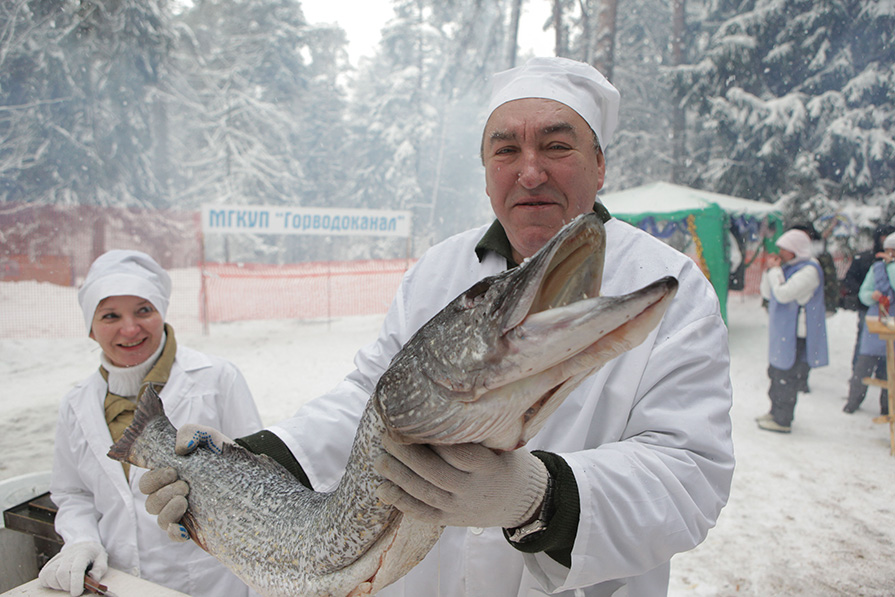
(124, 273)
(889, 243)
(575, 84)
(796, 242)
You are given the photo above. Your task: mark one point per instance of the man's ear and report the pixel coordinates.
(601, 167)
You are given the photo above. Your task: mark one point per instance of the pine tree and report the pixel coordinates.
(795, 100)
(633, 47)
(416, 118)
(251, 82)
(78, 86)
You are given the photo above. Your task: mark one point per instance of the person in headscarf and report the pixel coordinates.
(870, 361)
(101, 512)
(797, 332)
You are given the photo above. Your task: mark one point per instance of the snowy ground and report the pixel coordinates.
(811, 513)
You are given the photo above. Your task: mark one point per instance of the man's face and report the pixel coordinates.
(541, 170)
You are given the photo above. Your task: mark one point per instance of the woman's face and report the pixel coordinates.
(129, 329)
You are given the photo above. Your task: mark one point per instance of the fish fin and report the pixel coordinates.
(191, 525)
(149, 407)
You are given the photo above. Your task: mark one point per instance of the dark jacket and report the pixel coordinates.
(858, 269)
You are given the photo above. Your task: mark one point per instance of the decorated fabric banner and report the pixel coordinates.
(703, 232)
(699, 223)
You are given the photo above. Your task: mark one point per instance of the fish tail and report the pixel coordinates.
(149, 407)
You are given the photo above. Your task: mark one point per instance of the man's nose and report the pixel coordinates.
(532, 173)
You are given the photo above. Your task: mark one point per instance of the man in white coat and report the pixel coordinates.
(101, 513)
(634, 466)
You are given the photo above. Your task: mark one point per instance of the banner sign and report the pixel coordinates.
(259, 219)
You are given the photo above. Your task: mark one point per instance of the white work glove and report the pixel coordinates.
(166, 492)
(65, 572)
(191, 436)
(464, 485)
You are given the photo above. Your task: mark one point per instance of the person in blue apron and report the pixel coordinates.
(793, 285)
(871, 358)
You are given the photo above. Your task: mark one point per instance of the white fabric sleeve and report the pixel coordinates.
(76, 519)
(799, 287)
(238, 412)
(659, 490)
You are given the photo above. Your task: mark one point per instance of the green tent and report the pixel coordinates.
(700, 224)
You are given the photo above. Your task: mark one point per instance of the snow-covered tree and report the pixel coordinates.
(416, 115)
(641, 151)
(795, 100)
(78, 88)
(632, 44)
(258, 79)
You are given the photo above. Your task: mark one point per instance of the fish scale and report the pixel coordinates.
(489, 368)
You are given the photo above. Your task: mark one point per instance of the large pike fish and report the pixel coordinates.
(489, 368)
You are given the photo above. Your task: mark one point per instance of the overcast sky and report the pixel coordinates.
(363, 19)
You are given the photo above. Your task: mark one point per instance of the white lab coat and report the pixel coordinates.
(96, 502)
(648, 436)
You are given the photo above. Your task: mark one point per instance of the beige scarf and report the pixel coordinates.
(119, 409)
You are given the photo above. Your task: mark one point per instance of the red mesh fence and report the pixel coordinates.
(302, 290)
(45, 252)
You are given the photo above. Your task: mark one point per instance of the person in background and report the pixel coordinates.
(636, 464)
(857, 271)
(831, 281)
(879, 282)
(101, 513)
(851, 284)
(797, 332)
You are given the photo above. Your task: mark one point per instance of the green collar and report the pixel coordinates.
(496, 240)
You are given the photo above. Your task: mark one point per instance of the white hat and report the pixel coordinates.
(797, 242)
(575, 84)
(889, 243)
(124, 273)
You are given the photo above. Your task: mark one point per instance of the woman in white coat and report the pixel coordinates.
(102, 515)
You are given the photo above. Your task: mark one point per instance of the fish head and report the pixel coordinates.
(500, 358)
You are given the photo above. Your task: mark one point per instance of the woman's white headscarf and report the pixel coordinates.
(796, 242)
(124, 273)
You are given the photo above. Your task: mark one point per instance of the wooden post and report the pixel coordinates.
(887, 333)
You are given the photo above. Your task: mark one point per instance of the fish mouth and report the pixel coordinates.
(553, 329)
(567, 269)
